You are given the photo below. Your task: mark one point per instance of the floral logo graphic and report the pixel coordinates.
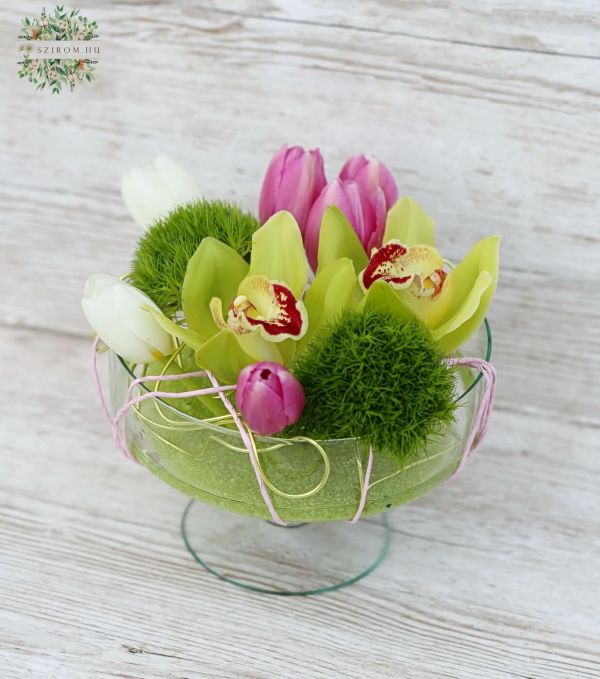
(39, 65)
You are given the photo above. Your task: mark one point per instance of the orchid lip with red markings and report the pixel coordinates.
(418, 268)
(264, 304)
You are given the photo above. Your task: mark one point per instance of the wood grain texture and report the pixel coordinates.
(491, 575)
(484, 117)
(501, 143)
(546, 26)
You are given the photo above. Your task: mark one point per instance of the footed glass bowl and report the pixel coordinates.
(308, 481)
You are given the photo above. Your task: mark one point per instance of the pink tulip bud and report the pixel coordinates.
(367, 215)
(269, 397)
(294, 179)
(371, 175)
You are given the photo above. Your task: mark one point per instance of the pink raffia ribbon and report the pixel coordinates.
(95, 347)
(482, 417)
(476, 434)
(251, 452)
(365, 488)
(121, 415)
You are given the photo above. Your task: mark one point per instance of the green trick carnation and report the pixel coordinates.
(162, 255)
(373, 375)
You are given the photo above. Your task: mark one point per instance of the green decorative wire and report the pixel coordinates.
(308, 592)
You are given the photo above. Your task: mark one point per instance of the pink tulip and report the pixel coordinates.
(294, 179)
(371, 175)
(268, 397)
(367, 215)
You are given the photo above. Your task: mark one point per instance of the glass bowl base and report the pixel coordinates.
(297, 560)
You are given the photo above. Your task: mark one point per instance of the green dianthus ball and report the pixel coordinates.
(375, 376)
(163, 253)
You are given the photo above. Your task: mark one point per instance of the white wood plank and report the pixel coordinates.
(528, 170)
(542, 26)
(490, 575)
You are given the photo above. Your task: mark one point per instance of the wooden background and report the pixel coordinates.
(489, 113)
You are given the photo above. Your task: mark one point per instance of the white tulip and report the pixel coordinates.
(152, 192)
(114, 310)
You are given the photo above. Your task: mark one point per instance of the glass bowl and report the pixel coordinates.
(307, 482)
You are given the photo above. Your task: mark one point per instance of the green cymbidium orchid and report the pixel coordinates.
(460, 308)
(338, 239)
(451, 304)
(333, 290)
(248, 313)
(239, 313)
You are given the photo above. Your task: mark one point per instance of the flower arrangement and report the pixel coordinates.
(58, 25)
(330, 317)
